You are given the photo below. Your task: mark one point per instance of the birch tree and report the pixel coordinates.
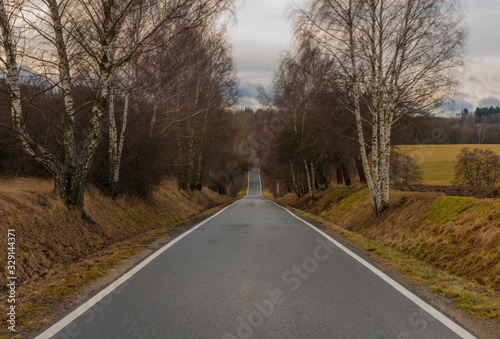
(9, 14)
(292, 87)
(94, 33)
(116, 141)
(393, 57)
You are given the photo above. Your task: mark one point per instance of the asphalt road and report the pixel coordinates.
(254, 271)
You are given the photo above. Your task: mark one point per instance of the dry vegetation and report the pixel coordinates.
(58, 253)
(456, 238)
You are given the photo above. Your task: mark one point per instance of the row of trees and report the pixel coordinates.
(478, 167)
(120, 93)
(428, 129)
(357, 69)
(488, 115)
(486, 111)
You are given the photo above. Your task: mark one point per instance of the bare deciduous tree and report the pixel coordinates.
(404, 169)
(477, 168)
(96, 34)
(392, 57)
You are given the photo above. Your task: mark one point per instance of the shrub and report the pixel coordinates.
(477, 168)
(404, 169)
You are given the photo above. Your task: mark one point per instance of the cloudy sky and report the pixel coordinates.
(263, 31)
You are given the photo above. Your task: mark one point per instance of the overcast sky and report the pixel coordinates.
(263, 31)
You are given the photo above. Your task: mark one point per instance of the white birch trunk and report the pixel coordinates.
(87, 154)
(115, 147)
(126, 97)
(357, 112)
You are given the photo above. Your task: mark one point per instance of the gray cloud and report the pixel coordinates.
(264, 31)
(482, 18)
(249, 89)
(489, 101)
(456, 104)
(249, 93)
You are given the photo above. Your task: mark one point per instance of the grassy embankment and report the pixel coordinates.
(58, 253)
(438, 161)
(451, 244)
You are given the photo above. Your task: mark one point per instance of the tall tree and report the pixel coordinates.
(394, 57)
(96, 34)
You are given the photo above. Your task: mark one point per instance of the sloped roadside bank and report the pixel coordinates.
(449, 244)
(62, 259)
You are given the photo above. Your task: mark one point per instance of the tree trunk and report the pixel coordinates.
(346, 175)
(338, 172)
(294, 179)
(361, 172)
(75, 198)
(386, 159)
(313, 177)
(116, 144)
(156, 96)
(72, 175)
(357, 112)
(308, 178)
(199, 176)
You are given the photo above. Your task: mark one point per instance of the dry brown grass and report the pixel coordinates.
(455, 234)
(58, 253)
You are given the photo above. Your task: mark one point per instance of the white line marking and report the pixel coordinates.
(54, 329)
(260, 184)
(248, 183)
(400, 288)
(260, 181)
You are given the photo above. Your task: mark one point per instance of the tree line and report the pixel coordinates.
(118, 93)
(488, 114)
(429, 129)
(480, 111)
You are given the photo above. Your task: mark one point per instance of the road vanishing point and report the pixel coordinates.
(254, 270)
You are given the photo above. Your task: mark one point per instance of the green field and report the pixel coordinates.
(438, 161)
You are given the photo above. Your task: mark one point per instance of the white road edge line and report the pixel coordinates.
(248, 183)
(260, 182)
(61, 324)
(400, 288)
